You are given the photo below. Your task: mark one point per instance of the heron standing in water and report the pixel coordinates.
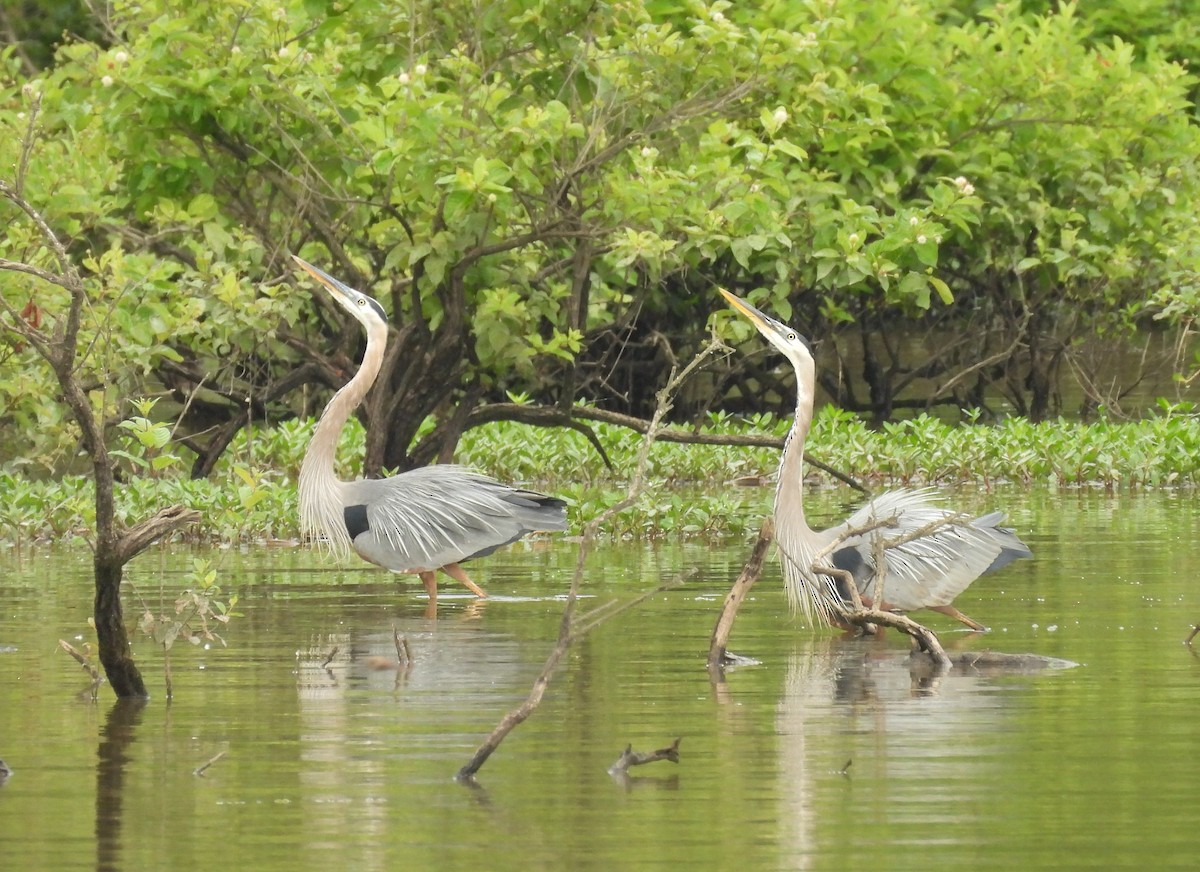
(927, 572)
(419, 521)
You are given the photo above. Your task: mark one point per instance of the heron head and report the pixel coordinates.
(785, 339)
(366, 309)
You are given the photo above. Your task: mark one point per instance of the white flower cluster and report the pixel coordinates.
(964, 187)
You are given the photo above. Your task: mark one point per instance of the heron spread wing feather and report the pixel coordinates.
(934, 567)
(430, 517)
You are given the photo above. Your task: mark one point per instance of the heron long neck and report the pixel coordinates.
(321, 509)
(796, 540)
(789, 490)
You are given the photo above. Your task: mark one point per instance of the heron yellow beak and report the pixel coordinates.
(339, 289)
(776, 332)
(766, 325)
(320, 275)
(745, 308)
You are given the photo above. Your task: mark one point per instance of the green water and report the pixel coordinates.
(351, 766)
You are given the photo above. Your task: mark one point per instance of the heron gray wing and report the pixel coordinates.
(427, 518)
(934, 568)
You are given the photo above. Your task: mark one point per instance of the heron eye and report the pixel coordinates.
(792, 337)
(361, 301)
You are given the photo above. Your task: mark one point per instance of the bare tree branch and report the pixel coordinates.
(568, 630)
(737, 594)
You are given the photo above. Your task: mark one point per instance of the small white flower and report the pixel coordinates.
(921, 239)
(285, 50)
(20, 116)
(420, 69)
(780, 116)
(718, 15)
(964, 187)
(491, 198)
(121, 57)
(938, 240)
(107, 81)
(402, 78)
(29, 89)
(968, 189)
(306, 57)
(960, 181)
(236, 50)
(852, 239)
(647, 151)
(913, 222)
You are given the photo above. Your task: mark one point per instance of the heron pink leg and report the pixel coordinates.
(429, 579)
(459, 574)
(952, 612)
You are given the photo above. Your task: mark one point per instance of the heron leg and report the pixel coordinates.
(952, 612)
(429, 579)
(459, 574)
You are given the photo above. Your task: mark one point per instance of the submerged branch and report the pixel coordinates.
(717, 655)
(84, 661)
(200, 770)
(630, 757)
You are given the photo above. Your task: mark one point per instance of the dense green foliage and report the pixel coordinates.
(696, 490)
(554, 187)
(543, 194)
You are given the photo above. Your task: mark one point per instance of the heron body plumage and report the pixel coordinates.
(424, 519)
(934, 553)
(420, 521)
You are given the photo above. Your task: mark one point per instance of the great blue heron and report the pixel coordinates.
(928, 571)
(419, 521)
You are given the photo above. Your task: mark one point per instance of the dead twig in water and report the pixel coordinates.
(717, 654)
(566, 634)
(329, 657)
(630, 757)
(83, 660)
(199, 770)
(1192, 635)
(402, 652)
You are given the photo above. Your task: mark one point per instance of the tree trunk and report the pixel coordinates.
(115, 656)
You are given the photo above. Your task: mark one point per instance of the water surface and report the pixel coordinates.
(349, 765)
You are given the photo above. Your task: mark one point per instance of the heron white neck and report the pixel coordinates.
(320, 500)
(789, 490)
(796, 541)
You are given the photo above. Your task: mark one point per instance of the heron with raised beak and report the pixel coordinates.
(927, 571)
(420, 521)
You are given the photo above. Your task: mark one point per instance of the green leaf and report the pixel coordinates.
(943, 290)
(741, 249)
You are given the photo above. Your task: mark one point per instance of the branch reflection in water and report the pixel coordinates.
(858, 710)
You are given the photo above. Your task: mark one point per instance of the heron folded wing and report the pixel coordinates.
(427, 518)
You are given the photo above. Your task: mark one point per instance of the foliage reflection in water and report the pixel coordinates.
(351, 764)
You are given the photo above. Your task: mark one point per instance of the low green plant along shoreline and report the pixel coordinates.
(251, 497)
